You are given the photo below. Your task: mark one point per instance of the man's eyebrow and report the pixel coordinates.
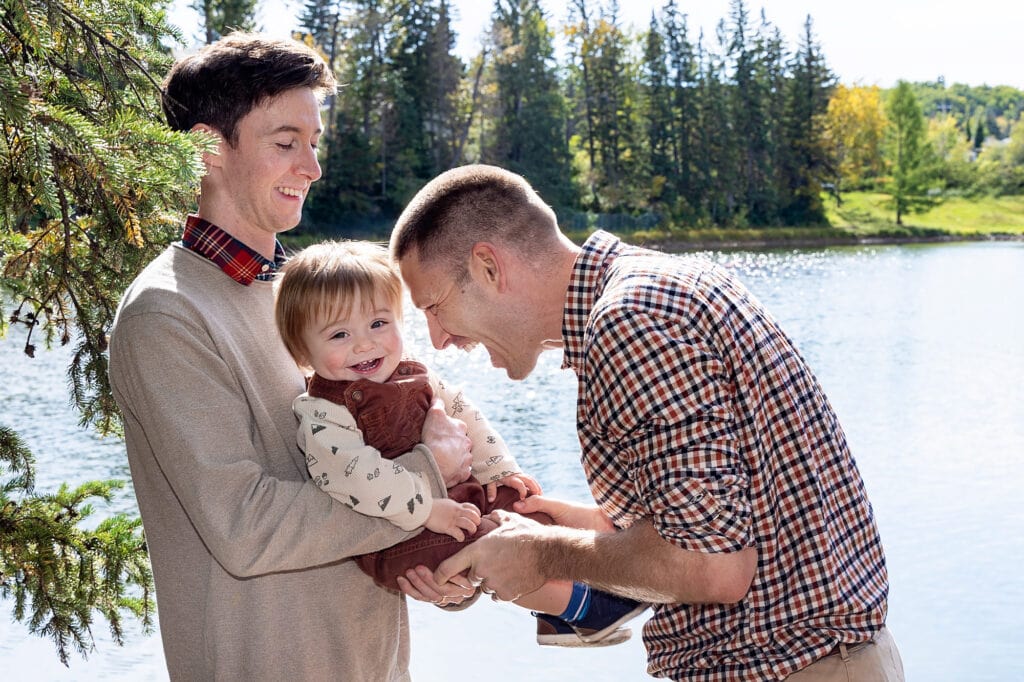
(291, 129)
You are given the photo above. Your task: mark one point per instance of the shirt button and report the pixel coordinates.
(264, 268)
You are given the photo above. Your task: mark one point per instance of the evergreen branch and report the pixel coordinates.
(60, 572)
(124, 54)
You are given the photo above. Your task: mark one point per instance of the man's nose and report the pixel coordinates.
(438, 336)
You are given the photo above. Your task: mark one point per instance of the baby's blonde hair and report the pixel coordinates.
(324, 281)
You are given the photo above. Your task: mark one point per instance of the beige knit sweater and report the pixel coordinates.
(248, 555)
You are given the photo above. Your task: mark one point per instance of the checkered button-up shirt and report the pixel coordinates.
(696, 411)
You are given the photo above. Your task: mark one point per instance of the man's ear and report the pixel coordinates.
(486, 265)
(211, 159)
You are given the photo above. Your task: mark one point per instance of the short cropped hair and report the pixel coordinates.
(224, 81)
(467, 205)
(325, 281)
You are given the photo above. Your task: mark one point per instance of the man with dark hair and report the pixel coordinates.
(249, 585)
(726, 493)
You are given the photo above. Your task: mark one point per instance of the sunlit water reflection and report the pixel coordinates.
(921, 350)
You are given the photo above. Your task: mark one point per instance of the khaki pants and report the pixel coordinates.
(875, 661)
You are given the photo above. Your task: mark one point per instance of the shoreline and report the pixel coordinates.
(675, 245)
(763, 238)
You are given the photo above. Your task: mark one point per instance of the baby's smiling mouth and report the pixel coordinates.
(368, 366)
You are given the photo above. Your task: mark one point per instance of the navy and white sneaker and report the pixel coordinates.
(601, 623)
(553, 631)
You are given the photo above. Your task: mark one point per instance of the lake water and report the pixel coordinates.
(921, 350)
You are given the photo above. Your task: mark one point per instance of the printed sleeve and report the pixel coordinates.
(492, 459)
(354, 473)
(667, 404)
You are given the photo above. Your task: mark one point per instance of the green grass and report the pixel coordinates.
(862, 216)
(866, 212)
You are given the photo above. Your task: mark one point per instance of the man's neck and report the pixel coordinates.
(553, 282)
(263, 243)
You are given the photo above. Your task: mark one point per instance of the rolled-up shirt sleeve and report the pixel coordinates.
(666, 413)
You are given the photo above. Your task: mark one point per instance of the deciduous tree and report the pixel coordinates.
(906, 150)
(854, 129)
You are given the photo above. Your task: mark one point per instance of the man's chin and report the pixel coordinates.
(514, 373)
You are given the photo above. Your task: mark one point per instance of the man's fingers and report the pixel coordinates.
(500, 516)
(533, 503)
(454, 565)
(414, 585)
(406, 587)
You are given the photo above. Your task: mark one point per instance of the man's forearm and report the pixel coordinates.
(639, 563)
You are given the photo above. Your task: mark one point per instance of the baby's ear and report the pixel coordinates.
(304, 364)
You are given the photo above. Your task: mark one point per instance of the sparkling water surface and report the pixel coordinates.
(921, 351)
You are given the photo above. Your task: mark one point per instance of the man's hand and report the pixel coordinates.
(448, 443)
(506, 561)
(568, 514)
(419, 584)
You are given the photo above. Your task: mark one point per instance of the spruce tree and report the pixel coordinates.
(979, 133)
(660, 171)
(94, 186)
(807, 158)
(529, 114)
(683, 139)
(219, 17)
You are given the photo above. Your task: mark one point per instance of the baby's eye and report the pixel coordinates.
(340, 335)
(377, 324)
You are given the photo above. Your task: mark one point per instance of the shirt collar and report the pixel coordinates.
(234, 258)
(585, 286)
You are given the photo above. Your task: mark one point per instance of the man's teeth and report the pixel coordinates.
(290, 192)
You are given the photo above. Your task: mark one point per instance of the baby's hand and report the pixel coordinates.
(524, 484)
(457, 519)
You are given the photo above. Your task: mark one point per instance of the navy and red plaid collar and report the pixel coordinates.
(237, 260)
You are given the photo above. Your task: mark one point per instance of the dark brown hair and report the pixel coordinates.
(224, 81)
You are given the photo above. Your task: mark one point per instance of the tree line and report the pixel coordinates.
(660, 126)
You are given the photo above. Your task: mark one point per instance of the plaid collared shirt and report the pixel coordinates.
(237, 260)
(696, 411)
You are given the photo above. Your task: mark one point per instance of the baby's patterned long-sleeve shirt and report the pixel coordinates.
(358, 475)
